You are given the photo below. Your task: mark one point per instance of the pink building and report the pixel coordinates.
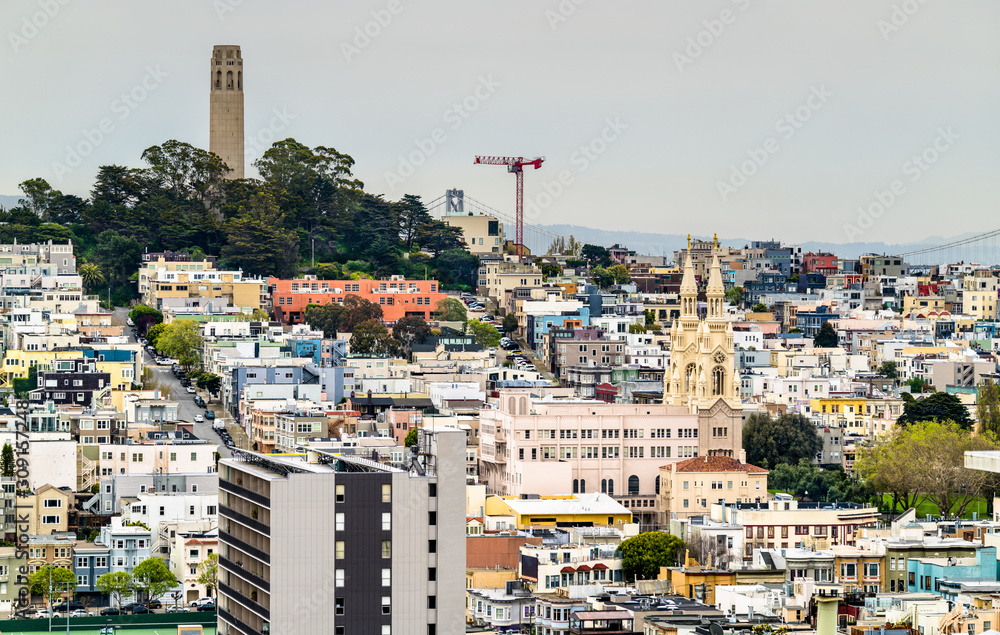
(402, 421)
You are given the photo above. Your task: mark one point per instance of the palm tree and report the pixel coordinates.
(91, 274)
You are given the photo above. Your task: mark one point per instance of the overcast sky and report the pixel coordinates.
(745, 117)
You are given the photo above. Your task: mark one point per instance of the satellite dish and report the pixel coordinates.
(715, 628)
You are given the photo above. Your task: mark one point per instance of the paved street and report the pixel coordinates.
(187, 409)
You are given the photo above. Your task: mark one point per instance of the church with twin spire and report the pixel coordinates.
(702, 376)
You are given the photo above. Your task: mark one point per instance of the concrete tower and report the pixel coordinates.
(226, 112)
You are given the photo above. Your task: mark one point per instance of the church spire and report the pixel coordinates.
(689, 290)
(715, 292)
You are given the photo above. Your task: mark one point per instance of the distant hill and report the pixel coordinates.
(8, 201)
(665, 244)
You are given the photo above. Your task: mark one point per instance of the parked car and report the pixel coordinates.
(199, 419)
(111, 611)
(207, 607)
(62, 607)
(154, 604)
(210, 414)
(40, 614)
(135, 608)
(190, 390)
(201, 601)
(81, 613)
(178, 609)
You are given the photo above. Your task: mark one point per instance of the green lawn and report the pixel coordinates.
(926, 507)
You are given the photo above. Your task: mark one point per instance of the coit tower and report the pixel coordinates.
(226, 108)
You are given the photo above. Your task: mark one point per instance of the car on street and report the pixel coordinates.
(210, 414)
(207, 607)
(111, 611)
(200, 601)
(199, 419)
(190, 390)
(178, 609)
(62, 607)
(154, 604)
(40, 614)
(81, 613)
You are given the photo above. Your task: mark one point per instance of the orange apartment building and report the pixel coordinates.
(398, 298)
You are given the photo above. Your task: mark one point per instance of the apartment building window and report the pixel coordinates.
(339, 522)
(386, 548)
(340, 493)
(387, 493)
(50, 520)
(386, 577)
(432, 546)
(339, 550)
(386, 521)
(432, 490)
(432, 574)
(338, 606)
(386, 604)
(432, 518)
(339, 577)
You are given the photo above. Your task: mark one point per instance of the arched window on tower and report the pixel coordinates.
(689, 378)
(718, 380)
(656, 485)
(576, 486)
(239, 80)
(583, 486)
(604, 486)
(611, 487)
(218, 80)
(633, 485)
(229, 80)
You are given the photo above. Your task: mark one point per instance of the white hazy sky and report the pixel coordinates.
(896, 78)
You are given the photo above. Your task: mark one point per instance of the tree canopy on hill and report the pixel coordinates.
(770, 442)
(939, 406)
(306, 203)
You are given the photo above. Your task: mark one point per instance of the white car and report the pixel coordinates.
(201, 601)
(81, 613)
(199, 419)
(40, 614)
(190, 390)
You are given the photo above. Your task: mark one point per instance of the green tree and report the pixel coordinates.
(187, 171)
(208, 572)
(650, 318)
(119, 255)
(643, 555)
(735, 296)
(457, 266)
(411, 438)
(151, 578)
(209, 382)
(154, 333)
(596, 255)
(437, 237)
(759, 307)
(938, 406)
(181, 339)
(23, 386)
(888, 370)
(451, 310)
(325, 317)
(917, 384)
(409, 331)
(50, 580)
(91, 274)
(259, 243)
(601, 277)
(410, 215)
(826, 337)
(619, 273)
(769, 442)
(38, 196)
(358, 310)
(988, 407)
(487, 335)
(117, 585)
(372, 339)
(509, 323)
(332, 271)
(885, 467)
(829, 483)
(7, 461)
(144, 317)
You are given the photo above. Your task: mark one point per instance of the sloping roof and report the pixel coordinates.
(716, 464)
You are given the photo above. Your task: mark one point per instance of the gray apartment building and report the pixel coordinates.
(329, 544)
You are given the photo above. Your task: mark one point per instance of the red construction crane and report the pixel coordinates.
(515, 165)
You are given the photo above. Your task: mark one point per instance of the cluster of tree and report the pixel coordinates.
(787, 439)
(334, 317)
(805, 479)
(181, 340)
(144, 317)
(605, 277)
(487, 335)
(564, 247)
(306, 202)
(643, 555)
(926, 460)
(988, 407)
(938, 406)
(826, 337)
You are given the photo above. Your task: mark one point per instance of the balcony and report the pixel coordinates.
(244, 600)
(243, 519)
(229, 539)
(240, 626)
(239, 490)
(235, 569)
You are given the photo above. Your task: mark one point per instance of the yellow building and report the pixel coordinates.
(929, 307)
(153, 263)
(979, 294)
(595, 509)
(858, 570)
(687, 488)
(695, 581)
(17, 363)
(47, 510)
(482, 234)
(226, 285)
